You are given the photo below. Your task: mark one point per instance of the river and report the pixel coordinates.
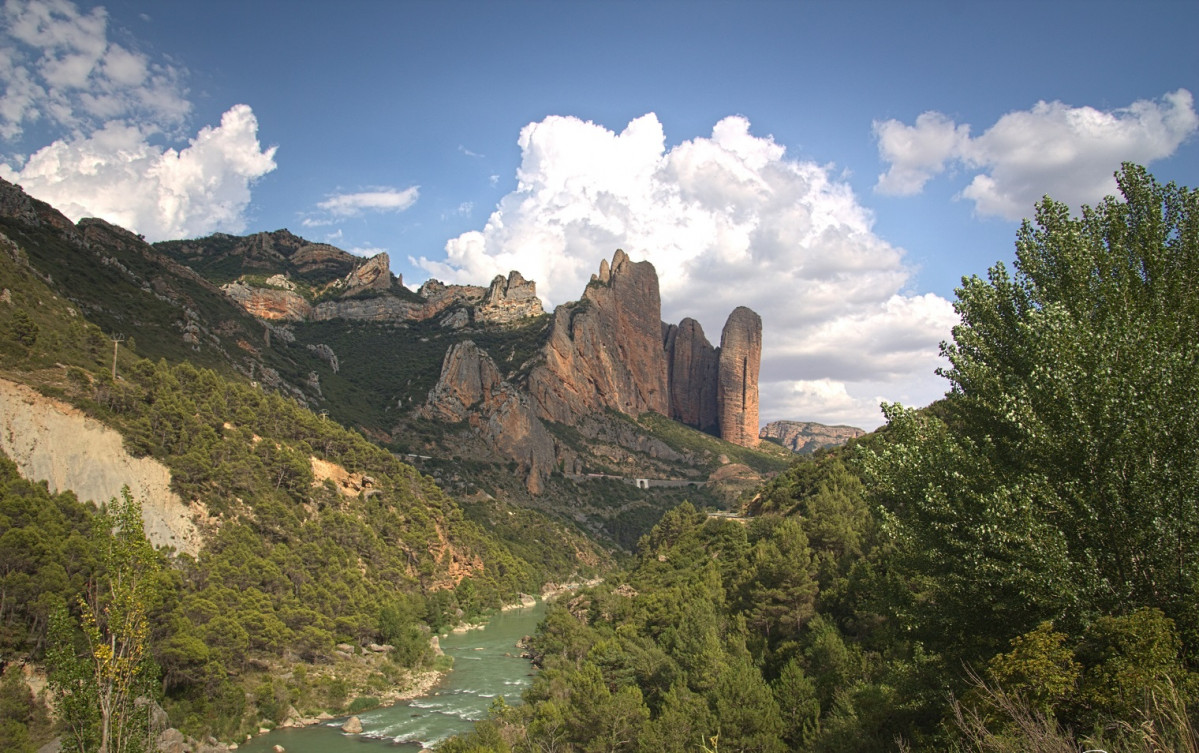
(486, 664)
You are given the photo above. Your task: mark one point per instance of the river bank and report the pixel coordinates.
(486, 664)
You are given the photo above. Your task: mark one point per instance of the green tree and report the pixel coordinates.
(97, 688)
(800, 709)
(1059, 479)
(24, 329)
(1040, 669)
(746, 712)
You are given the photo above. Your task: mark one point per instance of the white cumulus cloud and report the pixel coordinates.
(116, 174)
(727, 220)
(377, 200)
(1069, 153)
(104, 116)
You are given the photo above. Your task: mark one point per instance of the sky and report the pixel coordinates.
(838, 167)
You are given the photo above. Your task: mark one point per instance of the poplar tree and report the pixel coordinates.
(1060, 480)
(104, 683)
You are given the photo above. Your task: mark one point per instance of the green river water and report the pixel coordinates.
(486, 665)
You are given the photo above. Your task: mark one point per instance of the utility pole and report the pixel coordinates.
(116, 343)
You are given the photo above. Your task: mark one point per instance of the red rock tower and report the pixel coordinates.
(737, 390)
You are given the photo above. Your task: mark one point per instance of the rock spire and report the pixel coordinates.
(737, 392)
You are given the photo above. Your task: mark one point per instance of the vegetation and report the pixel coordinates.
(767, 458)
(295, 567)
(1011, 569)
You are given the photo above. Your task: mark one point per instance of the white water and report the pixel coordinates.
(486, 665)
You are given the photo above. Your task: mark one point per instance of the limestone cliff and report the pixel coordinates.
(605, 351)
(471, 389)
(692, 367)
(274, 304)
(737, 391)
(53, 442)
(508, 300)
(806, 437)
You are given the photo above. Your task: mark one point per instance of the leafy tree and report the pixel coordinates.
(98, 689)
(1040, 669)
(1059, 479)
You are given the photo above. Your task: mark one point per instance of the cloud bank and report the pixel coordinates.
(727, 220)
(1069, 153)
(106, 110)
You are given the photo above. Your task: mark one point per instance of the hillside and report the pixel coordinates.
(293, 537)
(291, 534)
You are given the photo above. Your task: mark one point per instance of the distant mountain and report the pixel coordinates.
(805, 437)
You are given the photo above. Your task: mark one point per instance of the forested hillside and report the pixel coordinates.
(1011, 569)
(319, 544)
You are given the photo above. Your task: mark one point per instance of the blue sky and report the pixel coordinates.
(838, 167)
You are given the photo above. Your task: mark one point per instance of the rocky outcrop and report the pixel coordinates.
(605, 351)
(737, 390)
(692, 373)
(326, 354)
(806, 437)
(611, 351)
(374, 274)
(321, 261)
(471, 389)
(272, 304)
(53, 442)
(18, 205)
(508, 300)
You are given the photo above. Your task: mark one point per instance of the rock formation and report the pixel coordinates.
(508, 300)
(605, 351)
(806, 437)
(611, 351)
(692, 371)
(374, 274)
(472, 389)
(737, 391)
(272, 304)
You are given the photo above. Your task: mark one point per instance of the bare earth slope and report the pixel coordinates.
(53, 442)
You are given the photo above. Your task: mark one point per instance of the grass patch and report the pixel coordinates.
(766, 458)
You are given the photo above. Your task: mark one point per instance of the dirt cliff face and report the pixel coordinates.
(737, 393)
(692, 366)
(605, 351)
(53, 442)
(805, 436)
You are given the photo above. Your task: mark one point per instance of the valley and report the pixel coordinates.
(248, 479)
